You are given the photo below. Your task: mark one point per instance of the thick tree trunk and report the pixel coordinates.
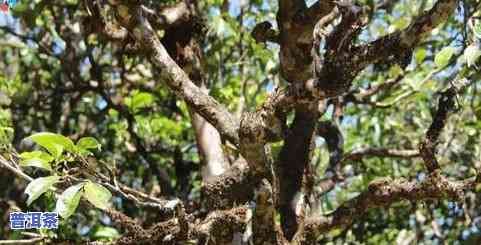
(295, 157)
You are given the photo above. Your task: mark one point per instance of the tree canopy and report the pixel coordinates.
(242, 122)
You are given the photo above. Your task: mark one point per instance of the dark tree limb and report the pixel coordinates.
(362, 96)
(335, 145)
(446, 104)
(294, 159)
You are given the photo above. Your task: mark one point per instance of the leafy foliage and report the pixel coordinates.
(69, 200)
(56, 144)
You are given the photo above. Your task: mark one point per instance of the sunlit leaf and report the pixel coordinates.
(69, 200)
(39, 186)
(420, 55)
(106, 232)
(54, 143)
(442, 58)
(96, 194)
(86, 143)
(140, 100)
(37, 159)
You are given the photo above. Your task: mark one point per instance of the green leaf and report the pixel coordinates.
(69, 200)
(37, 159)
(39, 186)
(86, 143)
(443, 57)
(472, 54)
(141, 100)
(96, 194)
(106, 232)
(420, 55)
(54, 143)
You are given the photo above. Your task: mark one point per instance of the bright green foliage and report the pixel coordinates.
(443, 57)
(54, 143)
(96, 194)
(69, 200)
(139, 100)
(105, 233)
(57, 144)
(37, 159)
(86, 143)
(39, 186)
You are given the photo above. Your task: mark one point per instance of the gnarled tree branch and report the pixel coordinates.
(381, 194)
(132, 17)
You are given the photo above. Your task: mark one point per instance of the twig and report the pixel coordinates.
(446, 104)
(380, 152)
(17, 171)
(23, 241)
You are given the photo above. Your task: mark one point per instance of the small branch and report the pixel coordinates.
(23, 241)
(364, 95)
(341, 39)
(446, 104)
(332, 177)
(379, 152)
(335, 144)
(139, 198)
(318, 10)
(345, 60)
(15, 170)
